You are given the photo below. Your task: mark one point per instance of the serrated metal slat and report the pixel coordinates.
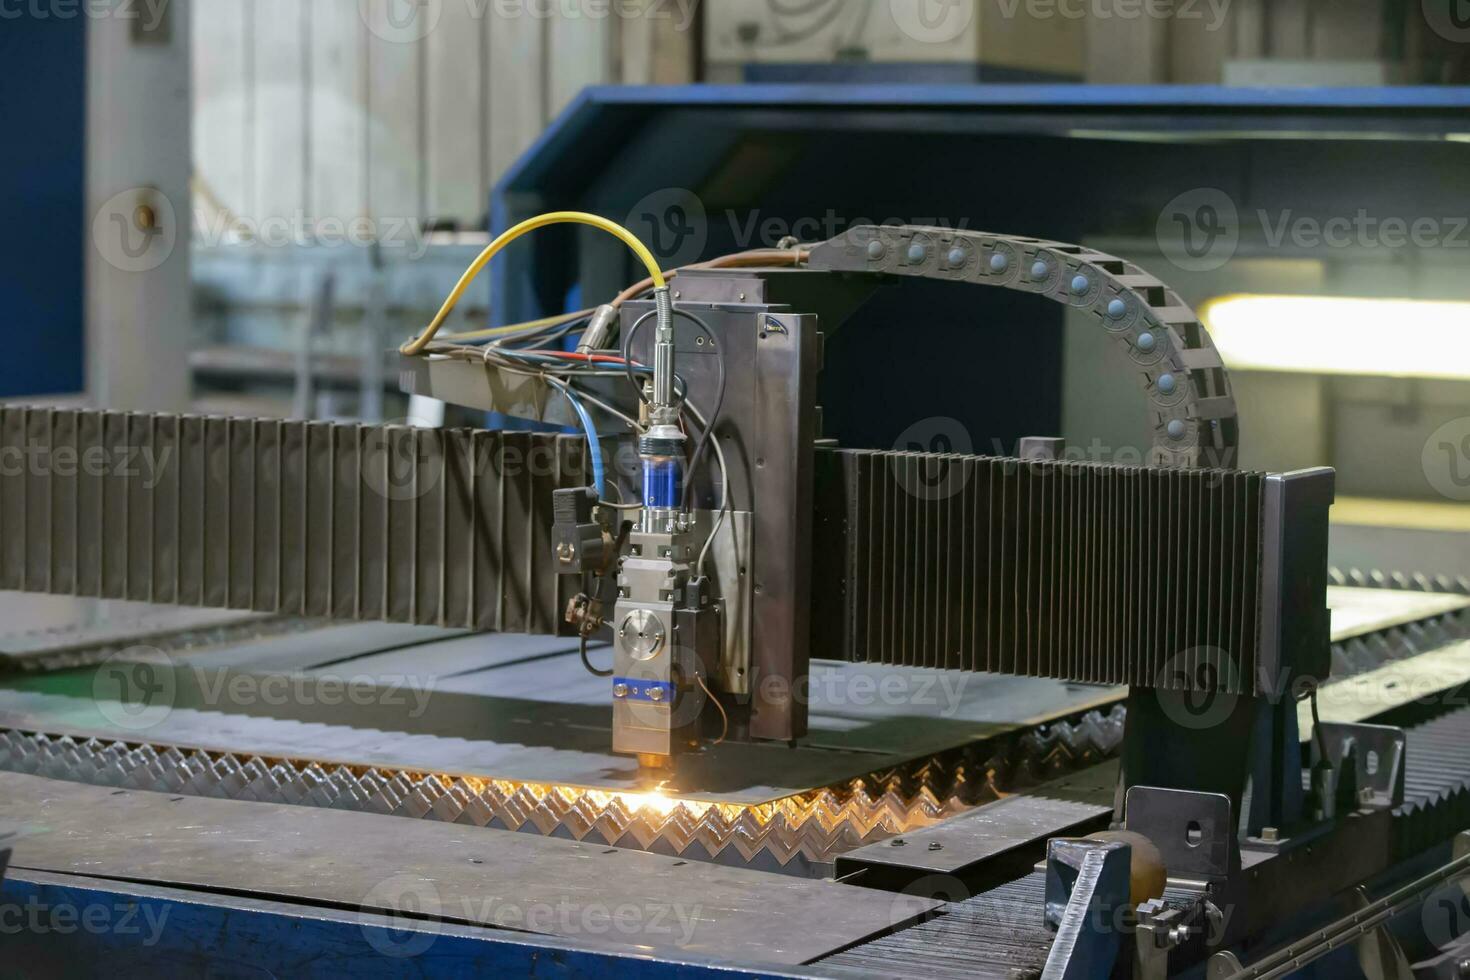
(299, 518)
(1094, 573)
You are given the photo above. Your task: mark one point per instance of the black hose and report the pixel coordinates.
(582, 649)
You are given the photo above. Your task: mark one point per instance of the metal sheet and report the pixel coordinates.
(959, 845)
(1356, 612)
(1370, 694)
(454, 873)
(519, 708)
(789, 833)
(204, 934)
(102, 622)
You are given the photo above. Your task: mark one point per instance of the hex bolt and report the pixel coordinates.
(1270, 835)
(934, 845)
(564, 551)
(897, 842)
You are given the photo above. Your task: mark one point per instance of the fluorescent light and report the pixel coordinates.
(1335, 335)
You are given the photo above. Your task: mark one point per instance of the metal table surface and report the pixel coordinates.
(441, 872)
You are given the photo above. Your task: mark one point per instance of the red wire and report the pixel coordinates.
(598, 358)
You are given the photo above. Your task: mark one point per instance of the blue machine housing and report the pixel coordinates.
(43, 107)
(699, 171)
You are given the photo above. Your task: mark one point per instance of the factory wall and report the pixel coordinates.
(394, 111)
(411, 110)
(1244, 42)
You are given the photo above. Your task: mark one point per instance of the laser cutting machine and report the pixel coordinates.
(1173, 792)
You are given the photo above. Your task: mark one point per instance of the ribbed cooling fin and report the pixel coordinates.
(1078, 571)
(441, 527)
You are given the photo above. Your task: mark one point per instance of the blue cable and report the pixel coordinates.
(531, 355)
(592, 443)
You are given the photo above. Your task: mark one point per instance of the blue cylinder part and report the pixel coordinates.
(662, 481)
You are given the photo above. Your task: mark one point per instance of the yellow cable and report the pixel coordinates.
(751, 257)
(505, 238)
